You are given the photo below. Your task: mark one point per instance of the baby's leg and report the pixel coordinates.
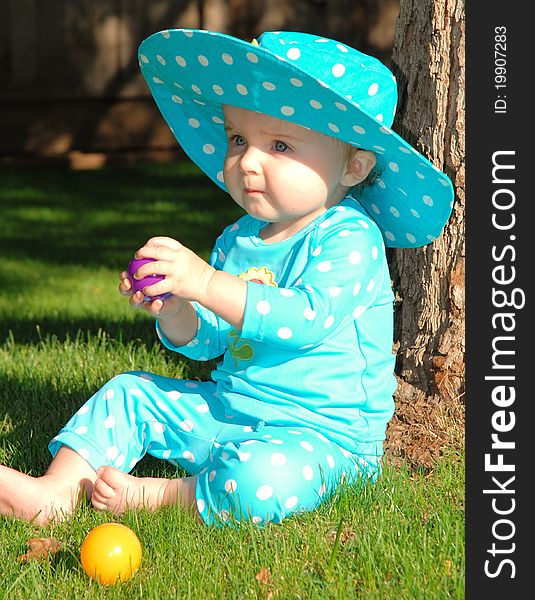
(116, 491)
(53, 496)
(273, 473)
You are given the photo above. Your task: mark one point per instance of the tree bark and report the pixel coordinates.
(428, 61)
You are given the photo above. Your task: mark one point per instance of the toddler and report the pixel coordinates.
(296, 299)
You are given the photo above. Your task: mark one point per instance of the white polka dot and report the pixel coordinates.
(373, 89)
(81, 430)
(208, 149)
(227, 58)
(317, 251)
(296, 82)
(355, 257)
(278, 442)
(358, 311)
(252, 57)
(166, 454)
(180, 61)
(83, 409)
(293, 53)
(143, 58)
(269, 86)
(200, 505)
(263, 307)
(394, 211)
(428, 200)
(291, 502)
(345, 233)
(242, 89)
(224, 514)
(202, 408)
(308, 472)
(370, 285)
(285, 333)
(338, 70)
(211, 475)
(196, 89)
(330, 461)
(315, 104)
(193, 123)
(256, 520)
(293, 432)
(286, 292)
(335, 291)
(218, 121)
(364, 224)
(322, 489)
(109, 422)
(278, 459)
(307, 446)
(390, 236)
(287, 110)
(340, 106)
(309, 314)
(419, 175)
(244, 456)
(333, 127)
(375, 252)
(328, 322)
(247, 429)
(203, 60)
(393, 167)
(230, 485)
(225, 455)
(415, 213)
(112, 452)
(109, 394)
(411, 238)
(359, 129)
(186, 425)
(325, 266)
(264, 492)
(218, 89)
(379, 117)
(158, 427)
(188, 456)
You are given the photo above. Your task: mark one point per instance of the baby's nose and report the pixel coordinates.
(251, 160)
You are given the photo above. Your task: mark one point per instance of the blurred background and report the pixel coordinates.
(71, 92)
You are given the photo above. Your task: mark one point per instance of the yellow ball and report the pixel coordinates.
(111, 553)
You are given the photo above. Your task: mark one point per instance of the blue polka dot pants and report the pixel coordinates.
(254, 471)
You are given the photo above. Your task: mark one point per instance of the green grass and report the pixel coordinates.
(65, 330)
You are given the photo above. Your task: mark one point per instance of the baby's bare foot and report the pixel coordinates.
(37, 499)
(116, 491)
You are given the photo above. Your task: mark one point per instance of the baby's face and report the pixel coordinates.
(280, 172)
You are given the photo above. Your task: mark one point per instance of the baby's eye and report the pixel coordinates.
(280, 146)
(238, 140)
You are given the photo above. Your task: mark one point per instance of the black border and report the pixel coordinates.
(488, 132)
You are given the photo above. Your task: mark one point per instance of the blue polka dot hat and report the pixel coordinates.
(312, 81)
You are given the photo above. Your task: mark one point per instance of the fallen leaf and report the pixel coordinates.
(40, 549)
(264, 576)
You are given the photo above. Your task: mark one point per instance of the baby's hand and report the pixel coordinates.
(186, 274)
(157, 307)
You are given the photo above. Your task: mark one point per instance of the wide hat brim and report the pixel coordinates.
(192, 74)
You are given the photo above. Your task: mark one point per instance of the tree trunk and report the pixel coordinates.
(428, 59)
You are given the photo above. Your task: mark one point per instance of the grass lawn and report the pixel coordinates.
(65, 330)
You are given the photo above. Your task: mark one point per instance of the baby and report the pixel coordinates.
(296, 299)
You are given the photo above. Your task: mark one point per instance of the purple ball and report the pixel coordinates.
(139, 284)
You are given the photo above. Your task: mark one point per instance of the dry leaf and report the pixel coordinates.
(265, 578)
(40, 549)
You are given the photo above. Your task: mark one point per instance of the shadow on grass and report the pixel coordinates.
(60, 216)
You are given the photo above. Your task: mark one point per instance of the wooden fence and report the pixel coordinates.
(70, 80)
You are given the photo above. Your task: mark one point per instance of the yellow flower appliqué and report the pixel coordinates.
(259, 275)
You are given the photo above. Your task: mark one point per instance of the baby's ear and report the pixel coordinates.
(359, 165)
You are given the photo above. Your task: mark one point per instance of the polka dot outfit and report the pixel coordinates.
(301, 396)
(312, 81)
(257, 472)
